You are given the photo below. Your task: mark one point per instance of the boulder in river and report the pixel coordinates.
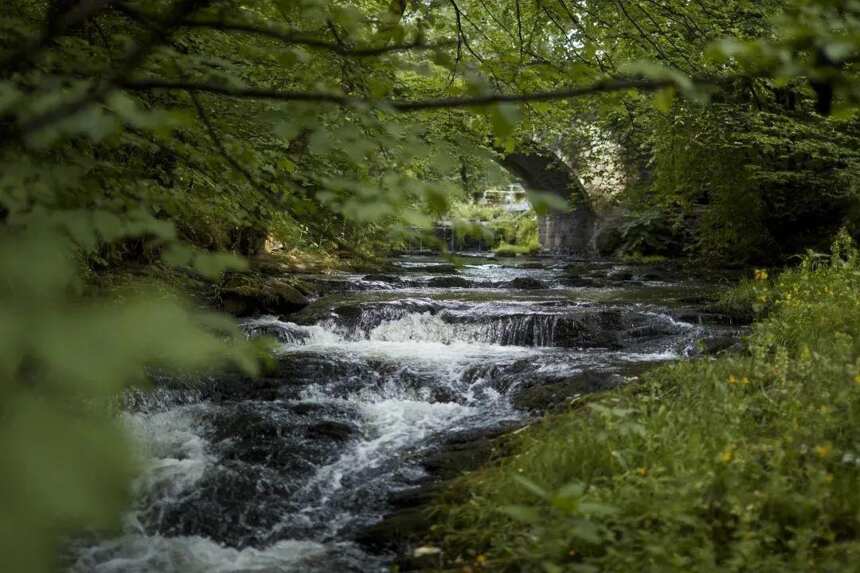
(555, 395)
(715, 345)
(449, 282)
(252, 295)
(532, 265)
(620, 275)
(381, 279)
(601, 329)
(526, 283)
(441, 269)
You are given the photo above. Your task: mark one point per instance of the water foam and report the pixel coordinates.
(144, 554)
(174, 452)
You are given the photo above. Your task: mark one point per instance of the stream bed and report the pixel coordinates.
(283, 473)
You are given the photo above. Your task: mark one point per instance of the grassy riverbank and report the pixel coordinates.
(741, 463)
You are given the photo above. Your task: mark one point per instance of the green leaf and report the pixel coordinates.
(531, 486)
(521, 513)
(664, 99)
(544, 202)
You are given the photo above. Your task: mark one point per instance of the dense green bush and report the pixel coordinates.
(513, 233)
(741, 463)
(67, 462)
(741, 185)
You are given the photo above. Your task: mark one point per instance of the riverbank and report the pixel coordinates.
(749, 461)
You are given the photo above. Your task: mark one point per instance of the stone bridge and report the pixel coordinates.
(578, 231)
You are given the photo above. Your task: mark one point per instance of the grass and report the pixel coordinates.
(741, 463)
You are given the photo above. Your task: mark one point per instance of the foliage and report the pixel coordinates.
(741, 463)
(171, 131)
(753, 185)
(745, 302)
(67, 462)
(513, 232)
(650, 232)
(509, 250)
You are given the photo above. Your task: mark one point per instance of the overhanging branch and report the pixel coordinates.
(288, 36)
(599, 87)
(310, 42)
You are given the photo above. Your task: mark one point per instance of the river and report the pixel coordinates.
(283, 473)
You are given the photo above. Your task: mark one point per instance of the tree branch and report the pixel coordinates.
(407, 106)
(216, 141)
(290, 37)
(307, 41)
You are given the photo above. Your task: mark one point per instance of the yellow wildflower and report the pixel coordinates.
(857, 379)
(745, 380)
(727, 456)
(760, 275)
(733, 379)
(643, 471)
(824, 450)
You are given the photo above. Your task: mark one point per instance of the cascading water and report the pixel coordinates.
(282, 473)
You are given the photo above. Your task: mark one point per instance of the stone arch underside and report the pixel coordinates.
(567, 233)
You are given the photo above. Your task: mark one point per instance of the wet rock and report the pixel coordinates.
(397, 531)
(456, 459)
(415, 497)
(693, 299)
(449, 282)
(443, 395)
(270, 266)
(555, 395)
(620, 275)
(580, 282)
(331, 430)
(281, 332)
(390, 279)
(526, 283)
(306, 408)
(532, 265)
(715, 345)
(480, 434)
(231, 506)
(253, 295)
(652, 275)
(595, 330)
(709, 318)
(237, 387)
(348, 312)
(443, 269)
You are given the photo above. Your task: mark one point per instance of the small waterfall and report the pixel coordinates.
(421, 321)
(518, 330)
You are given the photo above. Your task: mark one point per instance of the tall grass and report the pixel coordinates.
(741, 463)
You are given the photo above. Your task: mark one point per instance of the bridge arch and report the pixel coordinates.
(567, 233)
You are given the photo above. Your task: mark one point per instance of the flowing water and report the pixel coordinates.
(283, 472)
